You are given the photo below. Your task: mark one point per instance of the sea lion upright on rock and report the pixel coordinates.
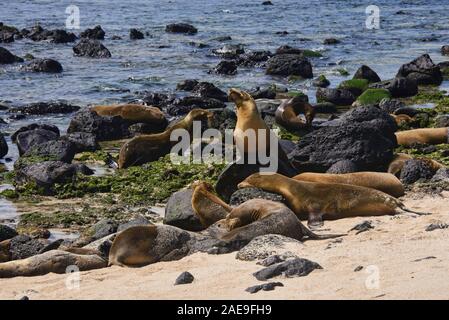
(287, 114)
(424, 136)
(381, 181)
(316, 201)
(249, 120)
(147, 148)
(132, 112)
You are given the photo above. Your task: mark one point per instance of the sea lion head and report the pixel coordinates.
(257, 180)
(128, 153)
(200, 115)
(241, 98)
(300, 104)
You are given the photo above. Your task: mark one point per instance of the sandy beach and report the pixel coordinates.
(411, 263)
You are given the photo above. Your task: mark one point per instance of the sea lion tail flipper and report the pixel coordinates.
(314, 236)
(111, 162)
(404, 208)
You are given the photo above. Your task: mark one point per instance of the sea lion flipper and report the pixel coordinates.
(315, 220)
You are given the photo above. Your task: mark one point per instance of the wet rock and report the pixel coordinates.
(104, 128)
(363, 226)
(343, 166)
(415, 170)
(267, 3)
(273, 260)
(321, 82)
(91, 48)
(422, 70)
(96, 33)
(181, 28)
(184, 278)
(138, 221)
(339, 97)
(390, 105)
(103, 228)
(445, 50)
(135, 34)
(3, 146)
(298, 267)
(270, 286)
(209, 90)
(58, 150)
(6, 57)
(330, 41)
(45, 174)
(436, 226)
(23, 246)
(6, 232)
(8, 33)
(230, 51)
(226, 67)
(187, 85)
(41, 108)
(184, 105)
(116, 38)
(34, 126)
(442, 121)
(262, 247)
(82, 141)
(43, 65)
(157, 99)
(254, 58)
(222, 39)
(37, 33)
(243, 195)
(24, 298)
(442, 175)
(289, 65)
(398, 87)
(27, 139)
(179, 211)
(365, 72)
(364, 135)
(259, 93)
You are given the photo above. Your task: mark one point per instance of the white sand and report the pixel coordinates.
(391, 248)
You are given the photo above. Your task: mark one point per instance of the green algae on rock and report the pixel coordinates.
(372, 96)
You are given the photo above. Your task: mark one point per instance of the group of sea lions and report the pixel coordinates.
(313, 197)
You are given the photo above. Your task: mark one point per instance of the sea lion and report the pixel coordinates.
(147, 148)
(287, 113)
(381, 181)
(398, 162)
(132, 112)
(259, 216)
(208, 207)
(316, 201)
(401, 119)
(55, 261)
(424, 136)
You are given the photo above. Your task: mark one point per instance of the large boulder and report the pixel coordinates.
(398, 87)
(23, 246)
(3, 146)
(339, 97)
(254, 58)
(423, 70)
(179, 211)
(83, 141)
(181, 28)
(6, 232)
(7, 57)
(44, 65)
(38, 33)
(91, 48)
(343, 166)
(27, 139)
(184, 105)
(96, 33)
(34, 126)
(364, 135)
(135, 34)
(289, 65)
(58, 150)
(365, 72)
(415, 170)
(209, 90)
(226, 67)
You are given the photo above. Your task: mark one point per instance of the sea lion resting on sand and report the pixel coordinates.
(147, 148)
(423, 136)
(381, 181)
(317, 201)
(142, 245)
(287, 114)
(396, 165)
(55, 261)
(208, 207)
(132, 112)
